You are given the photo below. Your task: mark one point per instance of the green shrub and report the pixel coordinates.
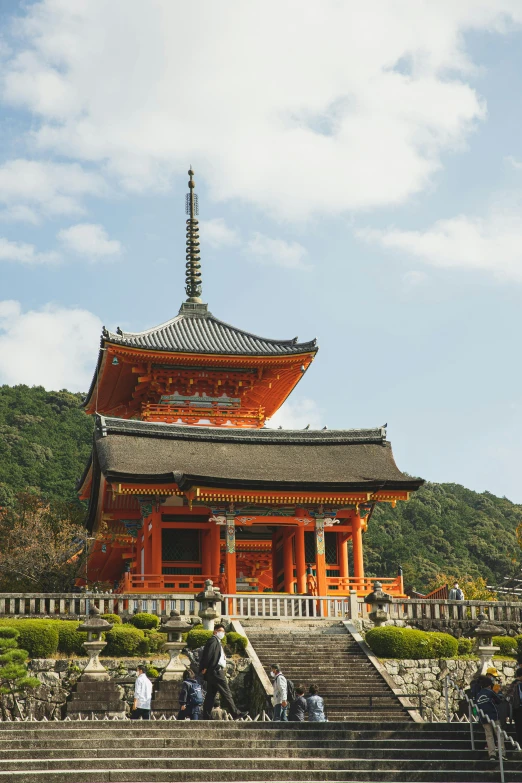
(38, 637)
(465, 646)
(115, 619)
(70, 639)
(145, 621)
(125, 640)
(442, 645)
(155, 641)
(152, 672)
(508, 645)
(392, 642)
(236, 642)
(197, 637)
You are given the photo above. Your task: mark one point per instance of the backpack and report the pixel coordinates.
(195, 694)
(290, 691)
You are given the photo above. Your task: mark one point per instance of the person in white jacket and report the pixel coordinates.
(142, 695)
(280, 693)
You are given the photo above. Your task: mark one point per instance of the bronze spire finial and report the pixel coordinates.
(193, 267)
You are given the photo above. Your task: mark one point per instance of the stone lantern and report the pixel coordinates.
(379, 601)
(484, 633)
(208, 600)
(95, 695)
(95, 626)
(174, 627)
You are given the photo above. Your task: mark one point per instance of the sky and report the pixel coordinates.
(359, 171)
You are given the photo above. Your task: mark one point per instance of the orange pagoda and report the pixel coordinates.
(187, 483)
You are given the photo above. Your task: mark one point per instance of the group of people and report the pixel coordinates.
(498, 704)
(290, 706)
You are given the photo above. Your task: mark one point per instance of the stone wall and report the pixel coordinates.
(427, 677)
(59, 676)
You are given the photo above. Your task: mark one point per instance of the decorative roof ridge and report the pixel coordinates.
(135, 427)
(184, 312)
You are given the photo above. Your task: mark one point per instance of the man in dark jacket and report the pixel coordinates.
(298, 706)
(213, 666)
(488, 702)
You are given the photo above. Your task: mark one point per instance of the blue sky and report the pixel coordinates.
(359, 169)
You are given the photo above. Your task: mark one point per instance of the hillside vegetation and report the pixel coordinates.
(45, 442)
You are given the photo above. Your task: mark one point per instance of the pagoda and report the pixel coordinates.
(186, 482)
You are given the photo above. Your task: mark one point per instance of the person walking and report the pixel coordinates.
(142, 695)
(280, 692)
(298, 707)
(315, 705)
(488, 701)
(514, 696)
(457, 594)
(213, 667)
(190, 697)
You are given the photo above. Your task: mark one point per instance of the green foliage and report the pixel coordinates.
(508, 645)
(38, 637)
(125, 640)
(70, 639)
(444, 528)
(13, 670)
(197, 637)
(391, 642)
(145, 621)
(152, 672)
(115, 619)
(45, 441)
(155, 641)
(236, 642)
(465, 646)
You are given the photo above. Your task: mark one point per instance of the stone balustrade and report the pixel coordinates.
(76, 605)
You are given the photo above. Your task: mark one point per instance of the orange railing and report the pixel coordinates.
(179, 583)
(341, 585)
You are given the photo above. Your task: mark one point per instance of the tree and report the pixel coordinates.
(14, 679)
(474, 589)
(41, 545)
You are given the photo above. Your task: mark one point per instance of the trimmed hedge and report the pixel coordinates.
(145, 621)
(155, 641)
(70, 639)
(38, 637)
(465, 646)
(392, 642)
(508, 645)
(115, 619)
(197, 637)
(125, 640)
(236, 642)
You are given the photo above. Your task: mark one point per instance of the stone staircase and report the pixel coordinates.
(219, 752)
(328, 656)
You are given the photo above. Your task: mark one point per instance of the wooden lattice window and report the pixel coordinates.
(180, 545)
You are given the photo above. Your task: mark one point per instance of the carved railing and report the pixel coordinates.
(71, 605)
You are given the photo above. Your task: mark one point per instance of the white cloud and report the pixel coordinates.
(492, 244)
(296, 415)
(31, 187)
(355, 114)
(277, 252)
(53, 347)
(516, 164)
(216, 233)
(89, 239)
(24, 253)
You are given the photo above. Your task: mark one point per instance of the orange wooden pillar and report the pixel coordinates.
(300, 563)
(358, 562)
(288, 560)
(342, 545)
(230, 555)
(155, 543)
(215, 552)
(320, 559)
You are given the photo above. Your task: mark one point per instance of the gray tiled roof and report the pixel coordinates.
(336, 460)
(198, 331)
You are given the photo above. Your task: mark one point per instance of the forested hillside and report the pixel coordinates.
(45, 441)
